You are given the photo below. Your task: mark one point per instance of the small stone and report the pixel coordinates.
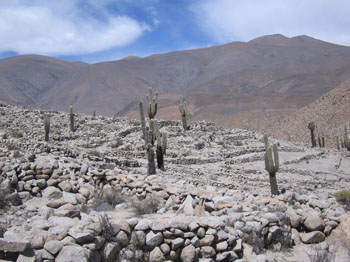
(52, 192)
(188, 254)
(72, 254)
(207, 240)
(153, 240)
(110, 252)
(221, 246)
(156, 255)
(53, 246)
(65, 186)
(122, 238)
(165, 248)
(176, 243)
(208, 251)
(13, 246)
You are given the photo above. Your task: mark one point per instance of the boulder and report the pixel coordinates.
(72, 254)
(312, 237)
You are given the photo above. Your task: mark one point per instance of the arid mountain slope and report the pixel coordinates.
(281, 73)
(330, 112)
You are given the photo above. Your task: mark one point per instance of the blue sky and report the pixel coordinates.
(103, 30)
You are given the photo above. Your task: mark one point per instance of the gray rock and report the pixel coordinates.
(110, 252)
(72, 254)
(13, 245)
(80, 237)
(27, 256)
(156, 255)
(165, 248)
(188, 254)
(221, 246)
(53, 246)
(187, 206)
(142, 225)
(207, 251)
(65, 186)
(314, 222)
(176, 243)
(52, 192)
(153, 240)
(63, 222)
(207, 240)
(122, 239)
(312, 237)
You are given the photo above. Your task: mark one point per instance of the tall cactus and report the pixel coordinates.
(47, 127)
(272, 166)
(312, 127)
(161, 149)
(152, 102)
(71, 119)
(94, 112)
(183, 111)
(337, 142)
(151, 163)
(142, 119)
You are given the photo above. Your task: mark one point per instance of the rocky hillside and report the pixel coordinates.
(272, 74)
(330, 112)
(86, 196)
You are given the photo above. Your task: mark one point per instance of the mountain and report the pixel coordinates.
(235, 84)
(330, 112)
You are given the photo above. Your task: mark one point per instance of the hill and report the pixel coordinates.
(229, 83)
(330, 113)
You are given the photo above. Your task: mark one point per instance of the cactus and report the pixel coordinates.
(319, 140)
(312, 127)
(152, 103)
(71, 119)
(346, 139)
(94, 113)
(47, 127)
(151, 163)
(272, 166)
(142, 119)
(322, 140)
(183, 111)
(266, 142)
(337, 141)
(161, 149)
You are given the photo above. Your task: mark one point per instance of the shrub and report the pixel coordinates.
(343, 196)
(147, 206)
(107, 198)
(107, 229)
(319, 255)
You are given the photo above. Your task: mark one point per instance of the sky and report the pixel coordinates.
(103, 30)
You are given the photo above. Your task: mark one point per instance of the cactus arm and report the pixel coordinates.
(142, 119)
(276, 158)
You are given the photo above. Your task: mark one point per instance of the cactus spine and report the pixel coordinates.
(183, 111)
(312, 127)
(47, 127)
(152, 102)
(71, 119)
(272, 166)
(142, 119)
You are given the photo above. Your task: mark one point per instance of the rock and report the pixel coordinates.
(83, 169)
(176, 243)
(72, 254)
(314, 222)
(122, 239)
(53, 246)
(221, 246)
(187, 206)
(188, 254)
(271, 217)
(52, 192)
(27, 256)
(153, 240)
(65, 186)
(165, 248)
(156, 255)
(13, 245)
(63, 222)
(207, 251)
(312, 237)
(110, 252)
(295, 219)
(80, 237)
(142, 225)
(207, 240)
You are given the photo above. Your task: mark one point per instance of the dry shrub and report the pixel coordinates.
(147, 206)
(107, 229)
(111, 197)
(343, 196)
(319, 255)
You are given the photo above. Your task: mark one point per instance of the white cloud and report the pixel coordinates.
(231, 20)
(63, 27)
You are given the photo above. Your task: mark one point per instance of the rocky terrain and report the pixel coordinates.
(86, 196)
(330, 112)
